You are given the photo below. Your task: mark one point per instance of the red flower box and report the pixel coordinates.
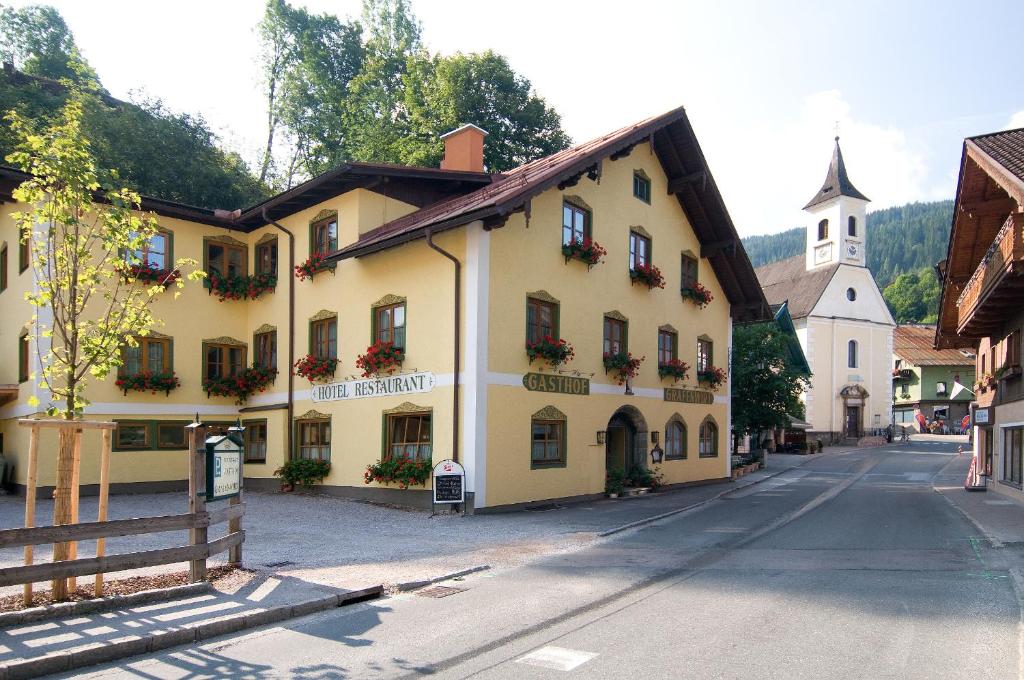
(586, 250)
(649, 274)
(674, 368)
(315, 368)
(241, 386)
(380, 357)
(713, 377)
(241, 287)
(150, 275)
(313, 265)
(624, 364)
(148, 382)
(554, 351)
(700, 295)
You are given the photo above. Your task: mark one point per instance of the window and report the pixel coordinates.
(266, 258)
(675, 439)
(264, 347)
(614, 335)
(171, 436)
(225, 259)
(23, 357)
(3, 268)
(24, 254)
(822, 230)
(151, 355)
(314, 439)
(851, 354)
(541, 319)
(705, 354)
(641, 187)
(547, 445)
(905, 391)
(156, 252)
(639, 250)
(408, 436)
(323, 338)
(1012, 451)
(255, 441)
(132, 435)
(851, 294)
(689, 269)
(575, 223)
(851, 226)
(668, 346)
(389, 324)
(1012, 349)
(708, 439)
(324, 235)
(222, 361)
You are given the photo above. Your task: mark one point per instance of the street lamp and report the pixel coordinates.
(657, 455)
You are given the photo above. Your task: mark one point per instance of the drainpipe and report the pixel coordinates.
(291, 333)
(457, 329)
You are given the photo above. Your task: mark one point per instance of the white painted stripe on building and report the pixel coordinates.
(475, 357)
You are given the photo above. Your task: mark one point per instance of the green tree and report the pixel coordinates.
(37, 40)
(445, 92)
(914, 297)
(766, 386)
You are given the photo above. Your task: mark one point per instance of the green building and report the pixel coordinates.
(923, 378)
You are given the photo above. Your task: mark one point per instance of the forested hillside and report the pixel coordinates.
(907, 239)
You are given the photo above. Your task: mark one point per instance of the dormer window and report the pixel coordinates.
(823, 230)
(851, 226)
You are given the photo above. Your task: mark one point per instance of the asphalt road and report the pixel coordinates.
(849, 567)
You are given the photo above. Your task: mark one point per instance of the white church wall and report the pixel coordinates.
(869, 304)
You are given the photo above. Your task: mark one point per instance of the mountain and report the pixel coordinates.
(906, 239)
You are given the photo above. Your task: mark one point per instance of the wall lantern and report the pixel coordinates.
(654, 437)
(657, 455)
(600, 436)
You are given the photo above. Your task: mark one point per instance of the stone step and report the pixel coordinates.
(634, 491)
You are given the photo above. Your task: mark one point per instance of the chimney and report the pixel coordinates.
(464, 149)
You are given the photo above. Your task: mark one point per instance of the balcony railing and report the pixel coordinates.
(998, 276)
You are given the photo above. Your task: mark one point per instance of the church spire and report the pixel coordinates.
(837, 183)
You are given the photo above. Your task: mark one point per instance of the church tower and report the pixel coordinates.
(837, 229)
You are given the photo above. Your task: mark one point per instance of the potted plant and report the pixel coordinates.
(624, 365)
(585, 250)
(150, 275)
(304, 471)
(241, 386)
(148, 381)
(380, 357)
(554, 351)
(673, 368)
(712, 377)
(313, 265)
(614, 482)
(402, 470)
(648, 274)
(315, 368)
(241, 287)
(697, 294)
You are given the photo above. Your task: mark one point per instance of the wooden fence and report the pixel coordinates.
(64, 571)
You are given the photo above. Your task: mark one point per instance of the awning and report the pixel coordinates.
(797, 424)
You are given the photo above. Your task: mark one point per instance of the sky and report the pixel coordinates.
(766, 84)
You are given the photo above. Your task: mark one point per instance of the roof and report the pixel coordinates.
(915, 345)
(788, 281)
(675, 144)
(837, 182)
(990, 186)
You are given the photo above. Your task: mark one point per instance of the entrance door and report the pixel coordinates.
(853, 421)
(620, 442)
(986, 435)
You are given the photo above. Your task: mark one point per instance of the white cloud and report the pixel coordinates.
(1016, 121)
(790, 163)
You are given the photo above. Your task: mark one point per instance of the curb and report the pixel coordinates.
(414, 585)
(101, 604)
(60, 662)
(676, 511)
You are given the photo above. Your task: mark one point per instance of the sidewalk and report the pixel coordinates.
(1000, 516)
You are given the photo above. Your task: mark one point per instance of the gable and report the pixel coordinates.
(788, 281)
(869, 304)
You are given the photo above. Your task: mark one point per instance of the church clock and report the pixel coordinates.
(852, 250)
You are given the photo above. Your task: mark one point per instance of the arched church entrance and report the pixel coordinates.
(626, 440)
(854, 400)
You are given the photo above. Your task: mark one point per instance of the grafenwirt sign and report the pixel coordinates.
(688, 396)
(562, 384)
(392, 385)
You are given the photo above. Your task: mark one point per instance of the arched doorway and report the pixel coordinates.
(626, 440)
(854, 402)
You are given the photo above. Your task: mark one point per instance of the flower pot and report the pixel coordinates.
(287, 488)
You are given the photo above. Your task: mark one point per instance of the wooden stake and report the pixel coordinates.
(76, 475)
(234, 525)
(197, 502)
(101, 516)
(30, 500)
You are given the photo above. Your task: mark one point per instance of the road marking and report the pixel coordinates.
(998, 502)
(556, 658)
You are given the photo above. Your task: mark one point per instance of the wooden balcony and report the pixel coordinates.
(996, 288)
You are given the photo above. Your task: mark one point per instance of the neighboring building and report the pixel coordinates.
(923, 378)
(460, 268)
(842, 320)
(982, 289)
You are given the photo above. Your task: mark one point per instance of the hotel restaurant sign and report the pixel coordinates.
(392, 385)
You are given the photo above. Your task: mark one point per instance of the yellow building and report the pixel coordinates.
(462, 270)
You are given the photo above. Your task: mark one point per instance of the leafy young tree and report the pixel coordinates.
(766, 386)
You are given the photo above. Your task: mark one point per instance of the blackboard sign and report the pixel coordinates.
(449, 482)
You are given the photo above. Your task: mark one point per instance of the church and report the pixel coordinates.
(843, 323)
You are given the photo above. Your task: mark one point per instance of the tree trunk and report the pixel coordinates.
(62, 510)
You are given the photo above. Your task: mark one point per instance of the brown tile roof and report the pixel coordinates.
(690, 180)
(837, 183)
(915, 345)
(789, 281)
(1005, 148)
